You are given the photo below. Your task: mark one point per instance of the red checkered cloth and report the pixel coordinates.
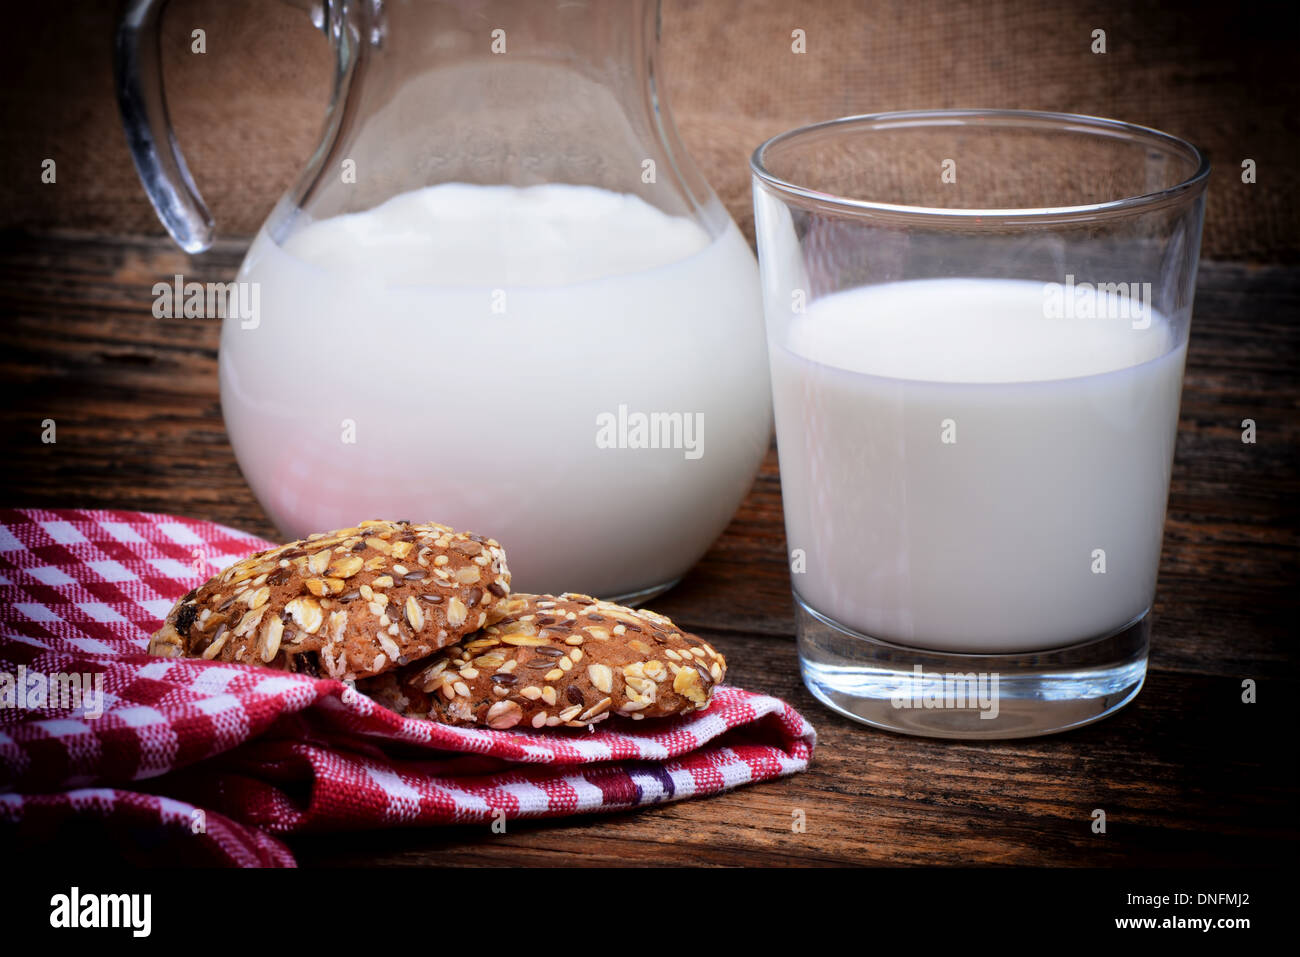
(183, 760)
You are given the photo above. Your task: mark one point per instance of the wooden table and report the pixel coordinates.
(1187, 774)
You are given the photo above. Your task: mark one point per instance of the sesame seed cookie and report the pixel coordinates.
(569, 660)
(348, 604)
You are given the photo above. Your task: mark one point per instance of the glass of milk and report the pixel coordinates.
(977, 324)
(500, 295)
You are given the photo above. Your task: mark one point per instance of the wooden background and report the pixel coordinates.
(249, 111)
(1187, 774)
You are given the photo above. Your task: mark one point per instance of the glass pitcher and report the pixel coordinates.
(500, 296)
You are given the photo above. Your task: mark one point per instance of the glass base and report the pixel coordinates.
(941, 694)
(634, 599)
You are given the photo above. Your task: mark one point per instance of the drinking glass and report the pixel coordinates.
(977, 323)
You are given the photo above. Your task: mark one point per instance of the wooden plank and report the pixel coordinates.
(1187, 774)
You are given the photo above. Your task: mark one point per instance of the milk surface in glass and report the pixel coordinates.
(955, 464)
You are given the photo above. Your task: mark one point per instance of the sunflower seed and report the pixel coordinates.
(602, 678)
(414, 614)
(270, 642)
(504, 714)
(456, 613)
(306, 613)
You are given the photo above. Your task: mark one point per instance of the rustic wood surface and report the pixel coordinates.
(1187, 774)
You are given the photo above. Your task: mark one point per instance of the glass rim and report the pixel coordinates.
(1056, 122)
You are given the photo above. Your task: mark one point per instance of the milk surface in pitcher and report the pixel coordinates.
(567, 369)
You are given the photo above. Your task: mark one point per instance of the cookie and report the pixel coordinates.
(347, 604)
(569, 660)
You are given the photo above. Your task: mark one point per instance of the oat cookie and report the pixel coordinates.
(347, 604)
(569, 660)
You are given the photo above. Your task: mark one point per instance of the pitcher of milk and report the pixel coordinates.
(500, 296)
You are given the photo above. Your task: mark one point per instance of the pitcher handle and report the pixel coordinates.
(137, 71)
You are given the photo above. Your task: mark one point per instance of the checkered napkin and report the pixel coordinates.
(182, 761)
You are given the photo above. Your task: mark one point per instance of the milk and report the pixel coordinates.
(459, 353)
(961, 473)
